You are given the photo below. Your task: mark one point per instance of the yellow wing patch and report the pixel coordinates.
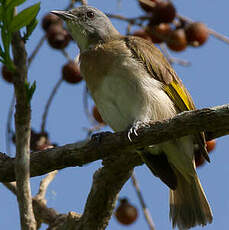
(180, 96)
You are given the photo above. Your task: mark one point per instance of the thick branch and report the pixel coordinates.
(22, 127)
(107, 182)
(214, 120)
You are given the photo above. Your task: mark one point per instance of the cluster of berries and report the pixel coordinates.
(59, 38)
(165, 26)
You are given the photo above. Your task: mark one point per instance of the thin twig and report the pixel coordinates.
(142, 202)
(42, 212)
(53, 93)
(71, 4)
(173, 60)
(128, 29)
(9, 131)
(132, 21)
(35, 51)
(65, 53)
(218, 35)
(11, 186)
(45, 183)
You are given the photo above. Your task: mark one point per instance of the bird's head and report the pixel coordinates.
(88, 26)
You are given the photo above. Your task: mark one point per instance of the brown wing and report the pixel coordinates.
(159, 68)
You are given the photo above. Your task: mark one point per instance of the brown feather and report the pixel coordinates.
(160, 69)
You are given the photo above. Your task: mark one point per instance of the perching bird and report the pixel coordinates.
(132, 83)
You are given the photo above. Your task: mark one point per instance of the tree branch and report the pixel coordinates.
(146, 212)
(214, 121)
(42, 212)
(107, 183)
(22, 127)
(45, 183)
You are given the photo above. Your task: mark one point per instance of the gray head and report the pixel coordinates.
(88, 26)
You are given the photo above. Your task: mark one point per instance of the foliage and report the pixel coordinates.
(11, 22)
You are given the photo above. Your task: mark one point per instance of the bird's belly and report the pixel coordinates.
(121, 100)
(118, 103)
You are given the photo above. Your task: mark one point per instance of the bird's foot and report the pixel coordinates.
(135, 127)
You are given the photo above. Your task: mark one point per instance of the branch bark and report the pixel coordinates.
(119, 159)
(107, 183)
(43, 213)
(214, 121)
(22, 127)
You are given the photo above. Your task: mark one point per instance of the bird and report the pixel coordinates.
(132, 83)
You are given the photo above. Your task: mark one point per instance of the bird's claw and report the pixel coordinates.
(131, 131)
(135, 127)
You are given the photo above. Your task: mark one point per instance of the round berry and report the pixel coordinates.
(51, 19)
(199, 160)
(163, 12)
(177, 40)
(97, 116)
(58, 37)
(196, 33)
(159, 33)
(166, 12)
(126, 213)
(71, 73)
(7, 75)
(211, 145)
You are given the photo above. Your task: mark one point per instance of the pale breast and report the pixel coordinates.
(122, 100)
(123, 90)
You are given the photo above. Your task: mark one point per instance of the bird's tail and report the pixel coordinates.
(188, 204)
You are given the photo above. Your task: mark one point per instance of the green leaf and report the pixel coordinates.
(7, 1)
(14, 3)
(8, 16)
(1, 52)
(1, 13)
(30, 90)
(6, 39)
(30, 28)
(9, 7)
(24, 17)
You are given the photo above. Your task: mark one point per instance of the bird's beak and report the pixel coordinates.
(65, 15)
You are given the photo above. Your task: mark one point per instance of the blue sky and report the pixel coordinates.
(206, 79)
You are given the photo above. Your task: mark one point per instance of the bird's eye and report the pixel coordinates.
(90, 14)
